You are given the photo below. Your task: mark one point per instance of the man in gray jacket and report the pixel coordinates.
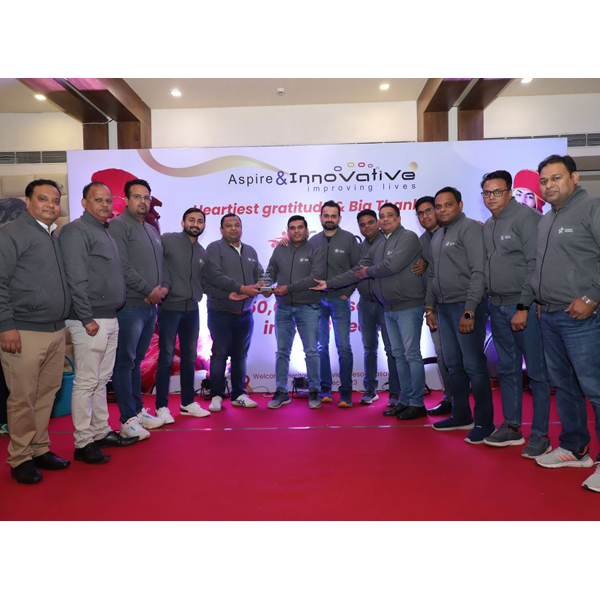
(402, 295)
(184, 261)
(371, 318)
(455, 300)
(425, 209)
(140, 251)
(566, 284)
(233, 268)
(341, 252)
(34, 303)
(295, 268)
(97, 287)
(510, 239)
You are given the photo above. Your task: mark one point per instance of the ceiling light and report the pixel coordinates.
(384, 86)
(527, 80)
(175, 93)
(40, 97)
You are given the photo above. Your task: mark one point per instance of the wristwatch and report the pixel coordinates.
(523, 307)
(468, 315)
(589, 301)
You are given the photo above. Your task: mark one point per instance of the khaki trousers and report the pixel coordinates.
(33, 377)
(94, 362)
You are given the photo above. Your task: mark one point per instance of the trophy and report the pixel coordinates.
(266, 277)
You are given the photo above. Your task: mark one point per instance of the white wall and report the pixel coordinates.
(38, 131)
(543, 115)
(285, 125)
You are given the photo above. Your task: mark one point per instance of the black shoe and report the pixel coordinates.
(412, 412)
(91, 454)
(115, 439)
(395, 410)
(51, 462)
(26, 472)
(443, 408)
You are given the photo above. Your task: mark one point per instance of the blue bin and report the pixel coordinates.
(62, 401)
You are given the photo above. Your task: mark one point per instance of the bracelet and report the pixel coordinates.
(589, 301)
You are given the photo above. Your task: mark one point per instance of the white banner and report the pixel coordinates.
(265, 186)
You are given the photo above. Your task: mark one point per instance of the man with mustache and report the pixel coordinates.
(97, 287)
(34, 303)
(141, 253)
(184, 263)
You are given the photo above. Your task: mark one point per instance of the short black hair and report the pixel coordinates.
(36, 183)
(193, 209)
(366, 213)
(331, 204)
(450, 190)
(390, 205)
(555, 158)
(297, 218)
(136, 182)
(90, 185)
(504, 175)
(227, 216)
(424, 200)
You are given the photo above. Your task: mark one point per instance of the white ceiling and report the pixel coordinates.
(203, 93)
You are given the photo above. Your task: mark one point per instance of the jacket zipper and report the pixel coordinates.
(544, 257)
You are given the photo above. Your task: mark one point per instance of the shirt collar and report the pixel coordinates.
(48, 229)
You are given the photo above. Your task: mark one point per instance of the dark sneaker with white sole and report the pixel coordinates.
(479, 433)
(369, 397)
(279, 399)
(313, 399)
(452, 424)
(537, 445)
(505, 435)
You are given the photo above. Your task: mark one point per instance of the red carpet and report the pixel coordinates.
(298, 464)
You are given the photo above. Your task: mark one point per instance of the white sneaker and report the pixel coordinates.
(593, 481)
(165, 414)
(193, 410)
(215, 404)
(244, 401)
(148, 421)
(132, 428)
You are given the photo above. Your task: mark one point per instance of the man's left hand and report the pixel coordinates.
(92, 328)
(466, 325)
(578, 309)
(419, 267)
(281, 290)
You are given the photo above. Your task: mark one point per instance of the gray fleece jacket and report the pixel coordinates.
(568, 253)
(93, 269)
(389, 263)
(184, 264)
(297, 268)
(34, 295)
(141, 252)
(341, 253)
(510, 242)
(457, 261)
(366, 286)
(228, 271)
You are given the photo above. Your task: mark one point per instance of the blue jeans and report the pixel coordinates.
(339, 311)
(404, 328)
(441, 365)
(466, 362)
(231, 335)
(371, 319)
(136, 326)
(572, 351)
(172, 323)
(306, 319)
(511, 346)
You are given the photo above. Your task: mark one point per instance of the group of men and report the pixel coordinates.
(537, 277)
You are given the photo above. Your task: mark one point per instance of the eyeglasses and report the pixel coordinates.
(427, 211)
(497, 193)
(139, 197)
